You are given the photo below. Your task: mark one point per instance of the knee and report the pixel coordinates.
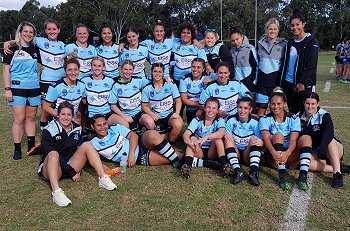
(177, 124)
(53, 156)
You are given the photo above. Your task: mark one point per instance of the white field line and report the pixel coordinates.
(336, 107)
(296, 214)
(327, 86)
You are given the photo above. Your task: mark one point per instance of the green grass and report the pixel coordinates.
(157, 198)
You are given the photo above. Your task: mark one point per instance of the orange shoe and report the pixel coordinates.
(36, 150)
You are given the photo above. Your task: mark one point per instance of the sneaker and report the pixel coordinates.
(17, 155)
(227, 169)
(283, 181)
(213, 164)
(36, 150)
(253, 178)
(106, 183)
(186, 171)
(237, 177)
(337, 181)
(302, 183)
(344, 168)
(60, 198)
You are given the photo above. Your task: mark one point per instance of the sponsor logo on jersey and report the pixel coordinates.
(92, 99)
(166, 90)
(106, 85)
(119, 91)
(46, 45)
(35, 55)
(134, 87)
(76, 136)
(164, 46)
(178, 48)
(232, 89)
(316, 128)
(115, 52)
(191, 50)
(90, 52)
(217, 91)
(58, 137)
(78, 91)
(61, 48)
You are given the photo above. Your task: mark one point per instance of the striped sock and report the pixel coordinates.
(232, 157)
(279, 148)
(254, 157)
(305, 158)
(197, 162)
(167, 151)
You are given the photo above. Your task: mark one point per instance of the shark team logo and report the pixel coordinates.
(46, 45)
(76, 136)
(78, 91)
(64, 92)
(106, 85)
(119, 91)
(102, 143)
(90, 52)
(134, 87)
(127, 55)
(316, 128)
(217, 91)
(178, 48)
(188, 86)
(100, 50)
(152, 93)
(234, 125)
(152, 47)
(166, 90)
(75, 50)
(89, 84)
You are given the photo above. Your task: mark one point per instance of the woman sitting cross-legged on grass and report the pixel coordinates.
(243, 138)
(62, 158)
(317, 137)
(280, 131)
(112, 141)
(204, 140)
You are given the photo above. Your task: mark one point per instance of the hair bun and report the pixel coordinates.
(278, 89)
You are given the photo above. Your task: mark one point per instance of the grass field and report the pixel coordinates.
(157, 198)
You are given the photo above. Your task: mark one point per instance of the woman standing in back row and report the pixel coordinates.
(300, 64)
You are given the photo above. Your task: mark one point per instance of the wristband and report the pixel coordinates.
(7, 88)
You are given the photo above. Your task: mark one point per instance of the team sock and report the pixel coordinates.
(305, 158)
(197, 162)
(167, 151)
(254, 157)
(232, 157)
(31, 142)
(18, 147)
(223, 160)
(282, 168)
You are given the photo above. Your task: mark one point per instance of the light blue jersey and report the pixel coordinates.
(23, 67)
(290, 124)
(242, 131)
(127, 96)
(85, 56)
(114, 144)
(159, 53)
(138, 57)
(160, 100)
(97, 95)
(62, 92)
(52, 55)
(192, 88)
(183, 57)
(198, 128)
(111, 57)
(227, 94)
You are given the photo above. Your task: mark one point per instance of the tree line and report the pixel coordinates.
(328, 20)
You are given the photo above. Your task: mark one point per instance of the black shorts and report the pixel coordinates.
(190, 115)
(44, 87)
(135, 124)
(143, 157)
(162, 125)
(265, 91)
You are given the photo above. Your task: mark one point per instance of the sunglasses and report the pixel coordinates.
(210, 30)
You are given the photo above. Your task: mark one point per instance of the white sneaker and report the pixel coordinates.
(106, 182)
(60, 198)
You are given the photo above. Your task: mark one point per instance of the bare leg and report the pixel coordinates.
(176, 125)
(116, 119)
(147, 122)
(31, 120)
(52, 169)
(18, 122)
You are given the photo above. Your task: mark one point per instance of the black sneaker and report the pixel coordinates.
(227, 169)
(337, 181)
(17, 155)
(283, 181)
(344, 168)
(186, 171)
(253, 178)
(213, 164)
(302, 182)
(237, 177)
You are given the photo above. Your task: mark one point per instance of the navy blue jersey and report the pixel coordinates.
(242, 131)
(198, 128)
(114, 144)
(52, 55)
(227, 94)
(183, 57)
(160, 100)
(97, 95)
(62, 92)
(192, 88)
(128, 96)
(111, 57)
(85, 56)
(138, 57)
(23, 67)
(291, 123)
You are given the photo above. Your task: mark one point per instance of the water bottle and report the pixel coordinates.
(124, 162)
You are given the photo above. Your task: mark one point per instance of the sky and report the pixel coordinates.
(17, 4)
